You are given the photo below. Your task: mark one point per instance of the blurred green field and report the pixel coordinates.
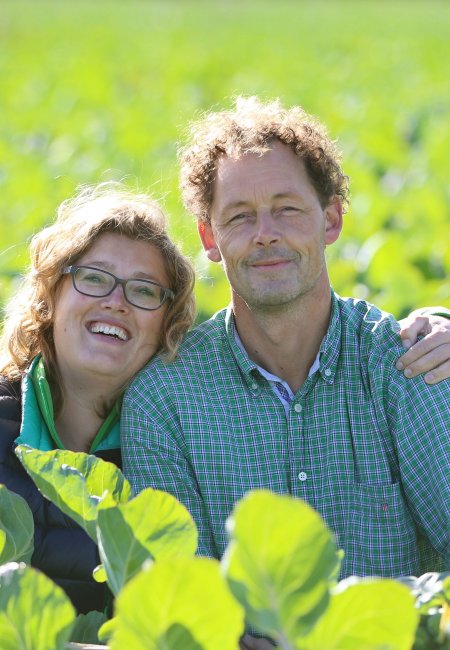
(97, 91)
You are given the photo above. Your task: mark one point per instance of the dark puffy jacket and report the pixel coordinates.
(62, 550)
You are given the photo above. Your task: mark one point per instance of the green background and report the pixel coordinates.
(93, 91)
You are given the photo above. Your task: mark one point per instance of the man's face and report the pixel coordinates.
(269, 229)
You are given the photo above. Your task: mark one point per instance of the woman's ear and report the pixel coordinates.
(208, 241)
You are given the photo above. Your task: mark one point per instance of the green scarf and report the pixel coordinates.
(37, 389)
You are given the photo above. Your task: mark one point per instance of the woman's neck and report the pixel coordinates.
(78, 423)
(83, 412)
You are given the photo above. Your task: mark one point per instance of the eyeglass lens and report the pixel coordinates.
(141, 293)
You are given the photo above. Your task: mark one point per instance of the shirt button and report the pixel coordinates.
(327, 372)
(302, 476)
(298, 408)
(254, 385)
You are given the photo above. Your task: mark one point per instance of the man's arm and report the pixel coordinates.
(431, 354)
(152, 458)
(418, 418)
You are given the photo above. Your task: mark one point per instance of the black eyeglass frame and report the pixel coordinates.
(167, 294)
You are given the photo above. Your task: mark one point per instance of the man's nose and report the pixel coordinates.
(267, 228)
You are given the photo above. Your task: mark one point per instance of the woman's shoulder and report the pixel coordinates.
(10, 399)
(9, 388)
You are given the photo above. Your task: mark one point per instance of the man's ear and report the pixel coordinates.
(333, 220)
(208, 241)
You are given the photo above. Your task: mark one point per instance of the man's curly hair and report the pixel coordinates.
(250, 127)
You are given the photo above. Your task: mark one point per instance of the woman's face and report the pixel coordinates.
(86, 347)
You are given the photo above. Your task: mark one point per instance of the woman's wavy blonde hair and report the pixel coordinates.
(105, 208)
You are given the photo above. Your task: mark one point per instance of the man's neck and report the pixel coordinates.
(285, 341)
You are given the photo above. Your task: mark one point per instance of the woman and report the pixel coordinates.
(107, 289)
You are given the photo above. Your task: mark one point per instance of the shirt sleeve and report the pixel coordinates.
(418, 417)
(436, 311)
(153, 457)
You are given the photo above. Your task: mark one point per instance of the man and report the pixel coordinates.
(292, 388)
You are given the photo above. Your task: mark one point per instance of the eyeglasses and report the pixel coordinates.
(98, 284)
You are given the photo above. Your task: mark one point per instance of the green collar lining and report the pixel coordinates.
(44, 399)
(45, 402)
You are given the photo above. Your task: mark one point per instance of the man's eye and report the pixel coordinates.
(240, 216)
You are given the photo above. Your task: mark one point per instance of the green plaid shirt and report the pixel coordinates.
(364, 446)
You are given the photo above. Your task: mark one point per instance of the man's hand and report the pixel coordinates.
(432, 353)
(252, 643)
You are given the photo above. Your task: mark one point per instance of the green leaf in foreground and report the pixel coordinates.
(79, 484)
(177, 603)
(429, 590)
(153, 525)
(16, 528)
(366, 613)
(106, 631)
(87, 626)
(35, 614)
(279, 564)
(432, 595)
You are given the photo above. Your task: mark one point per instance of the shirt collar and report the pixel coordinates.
(248, 368)
(268, 375)
(326, 360)
(330, 348)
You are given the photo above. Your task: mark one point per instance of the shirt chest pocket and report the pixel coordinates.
(377, 532)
